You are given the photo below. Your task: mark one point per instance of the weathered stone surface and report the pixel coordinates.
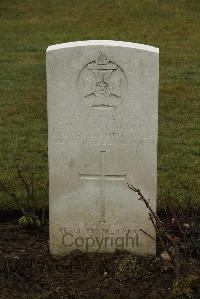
(102, 117)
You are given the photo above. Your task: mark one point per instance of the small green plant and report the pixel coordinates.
(128, 268)
(125, 268)
(28, 221)
(184, 287)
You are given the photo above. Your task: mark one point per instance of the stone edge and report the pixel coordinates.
(111, 43)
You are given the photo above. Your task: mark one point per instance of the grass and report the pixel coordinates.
(28, 27)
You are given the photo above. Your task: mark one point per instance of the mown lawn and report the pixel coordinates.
(27, 27)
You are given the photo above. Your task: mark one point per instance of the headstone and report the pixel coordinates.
(102, 117)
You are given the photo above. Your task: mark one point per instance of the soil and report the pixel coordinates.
(27, 270)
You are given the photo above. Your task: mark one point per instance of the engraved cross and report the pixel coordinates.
(102, 177)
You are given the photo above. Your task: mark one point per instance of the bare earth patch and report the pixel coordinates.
(27, 270)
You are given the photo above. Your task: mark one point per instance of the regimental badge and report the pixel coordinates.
(102, 83)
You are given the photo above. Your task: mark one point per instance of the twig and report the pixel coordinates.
(147, 234)
(141, 197)
(14, 196)
(22, 179)
(157, 223)
(32, 195)
(177, 222)
(156, 229)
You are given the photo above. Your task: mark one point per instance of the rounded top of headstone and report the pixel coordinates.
(111, 43)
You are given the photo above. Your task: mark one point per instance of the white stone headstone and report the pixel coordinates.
(102, 118)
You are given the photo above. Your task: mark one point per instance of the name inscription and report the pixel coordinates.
(101, 130)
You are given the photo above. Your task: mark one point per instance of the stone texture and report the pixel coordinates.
(102, 118)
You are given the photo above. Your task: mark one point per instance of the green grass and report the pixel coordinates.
(28, 27)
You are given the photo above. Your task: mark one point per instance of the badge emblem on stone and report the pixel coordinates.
(102, 83)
